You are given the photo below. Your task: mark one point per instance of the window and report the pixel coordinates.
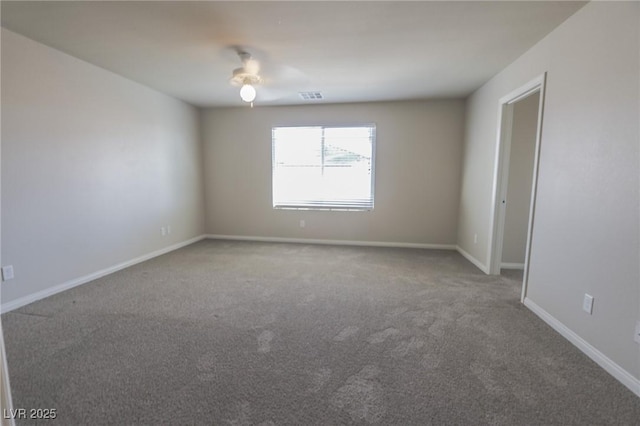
(323, 167)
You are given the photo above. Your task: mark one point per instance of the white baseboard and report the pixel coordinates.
(507, 265)
(473, 260)
(601, 359)
(25, 300)
(331, 242)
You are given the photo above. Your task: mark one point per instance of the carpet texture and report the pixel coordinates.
(239, 333)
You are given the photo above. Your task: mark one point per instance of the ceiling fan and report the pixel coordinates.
(275, 81)
(246, 77)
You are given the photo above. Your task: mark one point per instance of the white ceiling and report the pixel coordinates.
(349, 51)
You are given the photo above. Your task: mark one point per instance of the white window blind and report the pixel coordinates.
(323, 167)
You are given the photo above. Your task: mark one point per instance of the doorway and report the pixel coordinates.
(520, 124)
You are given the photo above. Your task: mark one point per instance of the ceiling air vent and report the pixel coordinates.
(311, 96)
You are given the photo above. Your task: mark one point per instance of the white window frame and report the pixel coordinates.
(327, 207)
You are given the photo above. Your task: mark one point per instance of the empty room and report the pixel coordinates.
(320, 213)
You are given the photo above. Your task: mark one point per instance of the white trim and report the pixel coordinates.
(503, 142)
(601, 359)
(473, 260)
(25, 300)
(331, 242)
(508, 265)
(534, 186)
(524, 90)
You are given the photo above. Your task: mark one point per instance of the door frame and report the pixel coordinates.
(501, 174)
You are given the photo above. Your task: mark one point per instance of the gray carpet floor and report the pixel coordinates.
(239, 333)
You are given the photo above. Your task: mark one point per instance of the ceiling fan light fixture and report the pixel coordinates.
(248, 93)
(246, 77)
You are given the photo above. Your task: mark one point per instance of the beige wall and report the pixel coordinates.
(417, 175)
(93, 165)
(521, 158)
(586, 235)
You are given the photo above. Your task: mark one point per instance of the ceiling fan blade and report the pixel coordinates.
(284, 76)
(276, 81)
(281, 81)
(268, 94)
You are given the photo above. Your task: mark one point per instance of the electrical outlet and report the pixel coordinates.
(636, 336)
(475, 238)
(7, 273)
(587, 303)
(302, 223)
(168, 229)
(163, 231)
